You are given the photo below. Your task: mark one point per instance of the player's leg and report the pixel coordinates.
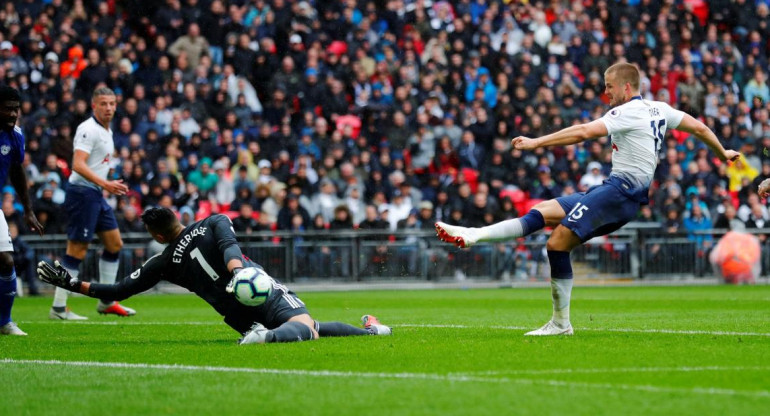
(600, 211)
(371, 326)
(76, 252)
(83, 211)
(545, 214)
(295, 329)
(559, 246)
(108, 267)
(7, 283)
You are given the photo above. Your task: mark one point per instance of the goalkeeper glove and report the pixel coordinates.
(231, 286)
(57, 276)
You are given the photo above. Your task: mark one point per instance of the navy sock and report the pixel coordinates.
(70, 263)
(561, 267)
(338, 329)
(111, 257)
(533, 221)
(7, 295)
(290, 332)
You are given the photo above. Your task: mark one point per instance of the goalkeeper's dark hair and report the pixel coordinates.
(161, 221)
(9, 94)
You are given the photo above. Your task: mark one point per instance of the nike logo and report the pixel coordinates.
(571, 220)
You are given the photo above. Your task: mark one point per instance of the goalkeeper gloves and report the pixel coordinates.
(57, 276)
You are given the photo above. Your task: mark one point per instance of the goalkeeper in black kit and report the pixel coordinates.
(203, 257)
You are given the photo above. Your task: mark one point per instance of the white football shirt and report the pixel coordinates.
(637, 129)
(92, 138)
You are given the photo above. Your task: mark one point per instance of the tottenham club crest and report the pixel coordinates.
(5, 149)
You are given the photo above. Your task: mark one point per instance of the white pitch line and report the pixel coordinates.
(450, 326)
(617, 370)
(412, 376)
(116, 323)
(631, 330)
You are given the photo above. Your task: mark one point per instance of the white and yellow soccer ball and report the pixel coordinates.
(252, 286)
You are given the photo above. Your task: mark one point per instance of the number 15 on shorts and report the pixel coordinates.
(577, 212)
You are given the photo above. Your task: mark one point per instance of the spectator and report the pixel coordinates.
(192, 45)
(245, 222)
(203, 178)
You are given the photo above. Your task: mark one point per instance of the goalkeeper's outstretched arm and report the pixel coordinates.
(139, 281)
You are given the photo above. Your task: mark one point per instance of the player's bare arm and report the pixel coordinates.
(80, 165)
(19, 181)
(563, 137)
(693, 126)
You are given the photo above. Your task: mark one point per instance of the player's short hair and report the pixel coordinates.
(161, 221)
(102, 91)
(9, 94)
(625, 72)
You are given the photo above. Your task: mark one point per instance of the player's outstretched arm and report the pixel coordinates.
(563, 137)
(764, 189)
(139, 281)
(704, 134)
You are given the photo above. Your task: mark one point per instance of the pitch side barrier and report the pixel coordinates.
(639, 250)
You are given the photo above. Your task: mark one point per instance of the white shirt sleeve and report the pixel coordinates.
(614, 122)
(672, 115)
(84, 140)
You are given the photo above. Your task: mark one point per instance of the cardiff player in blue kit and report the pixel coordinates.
(11, 157)
(637, 128)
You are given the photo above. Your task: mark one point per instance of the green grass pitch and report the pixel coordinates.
(636, 351)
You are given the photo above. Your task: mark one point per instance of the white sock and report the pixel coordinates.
(108, 272)
(60, 295)
(503, 230)
(561, 289)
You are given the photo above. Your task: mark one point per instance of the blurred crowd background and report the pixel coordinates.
(385, 114)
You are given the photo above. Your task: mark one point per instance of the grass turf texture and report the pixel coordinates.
(453, 352)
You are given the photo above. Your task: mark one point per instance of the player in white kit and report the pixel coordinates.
(636, 128)
(88, 212)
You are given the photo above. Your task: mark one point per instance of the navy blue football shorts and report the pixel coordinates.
(88, 213)
(603, 208)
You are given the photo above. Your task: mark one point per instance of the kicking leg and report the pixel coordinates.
(547, 213)
(559, 245)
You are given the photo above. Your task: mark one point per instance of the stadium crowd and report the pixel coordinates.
(298, 115)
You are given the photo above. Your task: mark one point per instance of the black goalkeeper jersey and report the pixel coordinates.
(196, 260)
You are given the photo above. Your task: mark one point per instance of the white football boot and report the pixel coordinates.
(67, 315)
(550, 328)
(257, 334)
(462, 237)
(11, 329)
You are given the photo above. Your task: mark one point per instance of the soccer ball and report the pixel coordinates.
(252, 286)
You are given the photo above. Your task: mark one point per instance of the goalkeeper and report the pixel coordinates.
(197, 257)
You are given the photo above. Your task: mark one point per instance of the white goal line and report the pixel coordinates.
(396, 376)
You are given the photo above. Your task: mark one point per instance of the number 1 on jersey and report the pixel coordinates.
(658, 132)
(196, 255)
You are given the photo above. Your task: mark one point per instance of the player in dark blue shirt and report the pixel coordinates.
(203, 257)
(11, 158)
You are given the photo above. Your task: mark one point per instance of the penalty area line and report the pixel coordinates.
(394, 376)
